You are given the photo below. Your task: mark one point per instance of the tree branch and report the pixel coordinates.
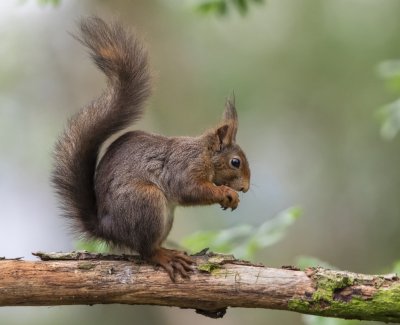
(219, 281)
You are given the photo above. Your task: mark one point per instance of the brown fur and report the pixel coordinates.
(129, 199)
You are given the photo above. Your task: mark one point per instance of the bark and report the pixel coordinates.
(218, 282)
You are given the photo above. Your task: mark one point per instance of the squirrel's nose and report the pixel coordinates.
(244, 189)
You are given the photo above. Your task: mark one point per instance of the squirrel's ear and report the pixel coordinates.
(227, 132)
(222, 134)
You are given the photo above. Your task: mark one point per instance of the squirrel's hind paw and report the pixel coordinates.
(173, 262)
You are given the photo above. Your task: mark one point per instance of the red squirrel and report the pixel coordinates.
(128, 199)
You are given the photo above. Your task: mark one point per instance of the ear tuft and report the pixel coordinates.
(230, 109)
(230, 118)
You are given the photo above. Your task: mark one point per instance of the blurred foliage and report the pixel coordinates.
(396, 268)
(309, 261)
(223, 7)
(389, 114)
(49, 2)
(317, 320)
(94, 246)
(244, 241)
(216, 7)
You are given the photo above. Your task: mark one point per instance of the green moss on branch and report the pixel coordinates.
(350, 295)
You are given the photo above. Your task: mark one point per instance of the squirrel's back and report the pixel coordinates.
(123, 59)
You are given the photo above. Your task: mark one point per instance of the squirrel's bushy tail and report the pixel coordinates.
(123, 59)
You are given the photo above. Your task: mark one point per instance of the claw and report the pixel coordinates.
(181, 269)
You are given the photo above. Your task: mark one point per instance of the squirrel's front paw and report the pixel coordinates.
(230, 198)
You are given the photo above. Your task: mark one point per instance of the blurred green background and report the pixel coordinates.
(307, 90)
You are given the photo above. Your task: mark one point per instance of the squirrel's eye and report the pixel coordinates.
(235, 162)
